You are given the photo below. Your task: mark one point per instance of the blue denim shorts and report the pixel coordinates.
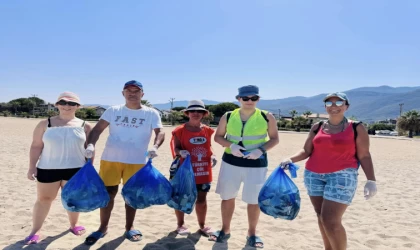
(338, 186)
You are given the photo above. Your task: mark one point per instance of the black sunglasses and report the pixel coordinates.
(246, 98)
(64, 103)
(197, 111)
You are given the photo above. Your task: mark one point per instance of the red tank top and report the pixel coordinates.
(333, 152)
(199, 146)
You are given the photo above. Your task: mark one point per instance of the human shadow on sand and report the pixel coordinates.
(43, 244)
(247, 247)
(220, 246)
(111, 245)
(170, 242)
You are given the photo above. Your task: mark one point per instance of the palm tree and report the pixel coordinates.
(293, 113)
(31, 105)
(307, 113)
(410, 121)
(175, 116)
(146, 103)
(15, 105)
(299, 121)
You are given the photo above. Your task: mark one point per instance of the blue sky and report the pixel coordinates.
(205, 49)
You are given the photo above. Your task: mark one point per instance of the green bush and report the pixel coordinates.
(381, 126)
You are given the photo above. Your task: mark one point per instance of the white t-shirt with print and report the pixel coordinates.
(130, 131)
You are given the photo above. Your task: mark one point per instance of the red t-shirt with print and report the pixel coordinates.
(199, 146)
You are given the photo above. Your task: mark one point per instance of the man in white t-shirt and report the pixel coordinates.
(130, 130)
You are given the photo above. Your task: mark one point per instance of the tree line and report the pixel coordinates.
(409, 122)
(31, 107)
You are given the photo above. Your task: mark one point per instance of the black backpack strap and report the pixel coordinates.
(355, 124)
(83, 125)
(228, 116)
(49, 122)
(319, 127)
(264, 115)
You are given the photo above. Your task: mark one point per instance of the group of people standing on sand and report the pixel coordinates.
(335, 148)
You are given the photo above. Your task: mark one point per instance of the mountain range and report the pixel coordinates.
(366, 103)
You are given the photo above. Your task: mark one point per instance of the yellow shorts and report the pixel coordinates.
(112, 172)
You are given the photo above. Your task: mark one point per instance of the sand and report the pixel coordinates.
(389, 221)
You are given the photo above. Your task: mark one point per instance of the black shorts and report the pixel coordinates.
(203, 187)
(54, 175)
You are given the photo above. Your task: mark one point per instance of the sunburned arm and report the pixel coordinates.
(37, 144)
(363, 153)
(220, 133)
(307, 147)
(273, 133)
(159, 137)
(96, 131)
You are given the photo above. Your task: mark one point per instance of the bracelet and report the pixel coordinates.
(262, 149)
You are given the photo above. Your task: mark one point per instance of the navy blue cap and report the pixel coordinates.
(133, 83)
(248, 90)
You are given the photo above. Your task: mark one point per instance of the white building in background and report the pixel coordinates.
(44, 108)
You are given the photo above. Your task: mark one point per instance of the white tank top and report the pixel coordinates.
(63, 148)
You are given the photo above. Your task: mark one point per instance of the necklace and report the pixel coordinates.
(341, 124)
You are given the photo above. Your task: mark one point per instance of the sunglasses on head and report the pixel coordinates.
(197, 111)
(337, 103)
(64, 103)
(246, 98)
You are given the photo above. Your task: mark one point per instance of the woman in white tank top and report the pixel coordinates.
(57, 153)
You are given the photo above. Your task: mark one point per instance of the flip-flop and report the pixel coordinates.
(95, 236)
(253, 241)
(206, 231)
(220, 236)
(77, 229)
(183, 230)
(32, 239)
(133, 232)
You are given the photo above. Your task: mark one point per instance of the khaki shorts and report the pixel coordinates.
(231, 177)
(112, 172)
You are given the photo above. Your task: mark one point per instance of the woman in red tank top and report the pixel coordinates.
(335, 148)
(194, 138)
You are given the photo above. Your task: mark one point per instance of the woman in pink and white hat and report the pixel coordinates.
(56, 154)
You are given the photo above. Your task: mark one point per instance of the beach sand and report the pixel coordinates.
(389, 221)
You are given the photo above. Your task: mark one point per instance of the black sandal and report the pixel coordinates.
(220, 236)
(94, 237)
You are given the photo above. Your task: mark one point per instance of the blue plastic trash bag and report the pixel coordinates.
(279, 197)
(85, 191)
(174, 167)
(184, 190)
(147, 187)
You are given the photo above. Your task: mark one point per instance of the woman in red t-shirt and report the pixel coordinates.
(335, 149)
(194, 138)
